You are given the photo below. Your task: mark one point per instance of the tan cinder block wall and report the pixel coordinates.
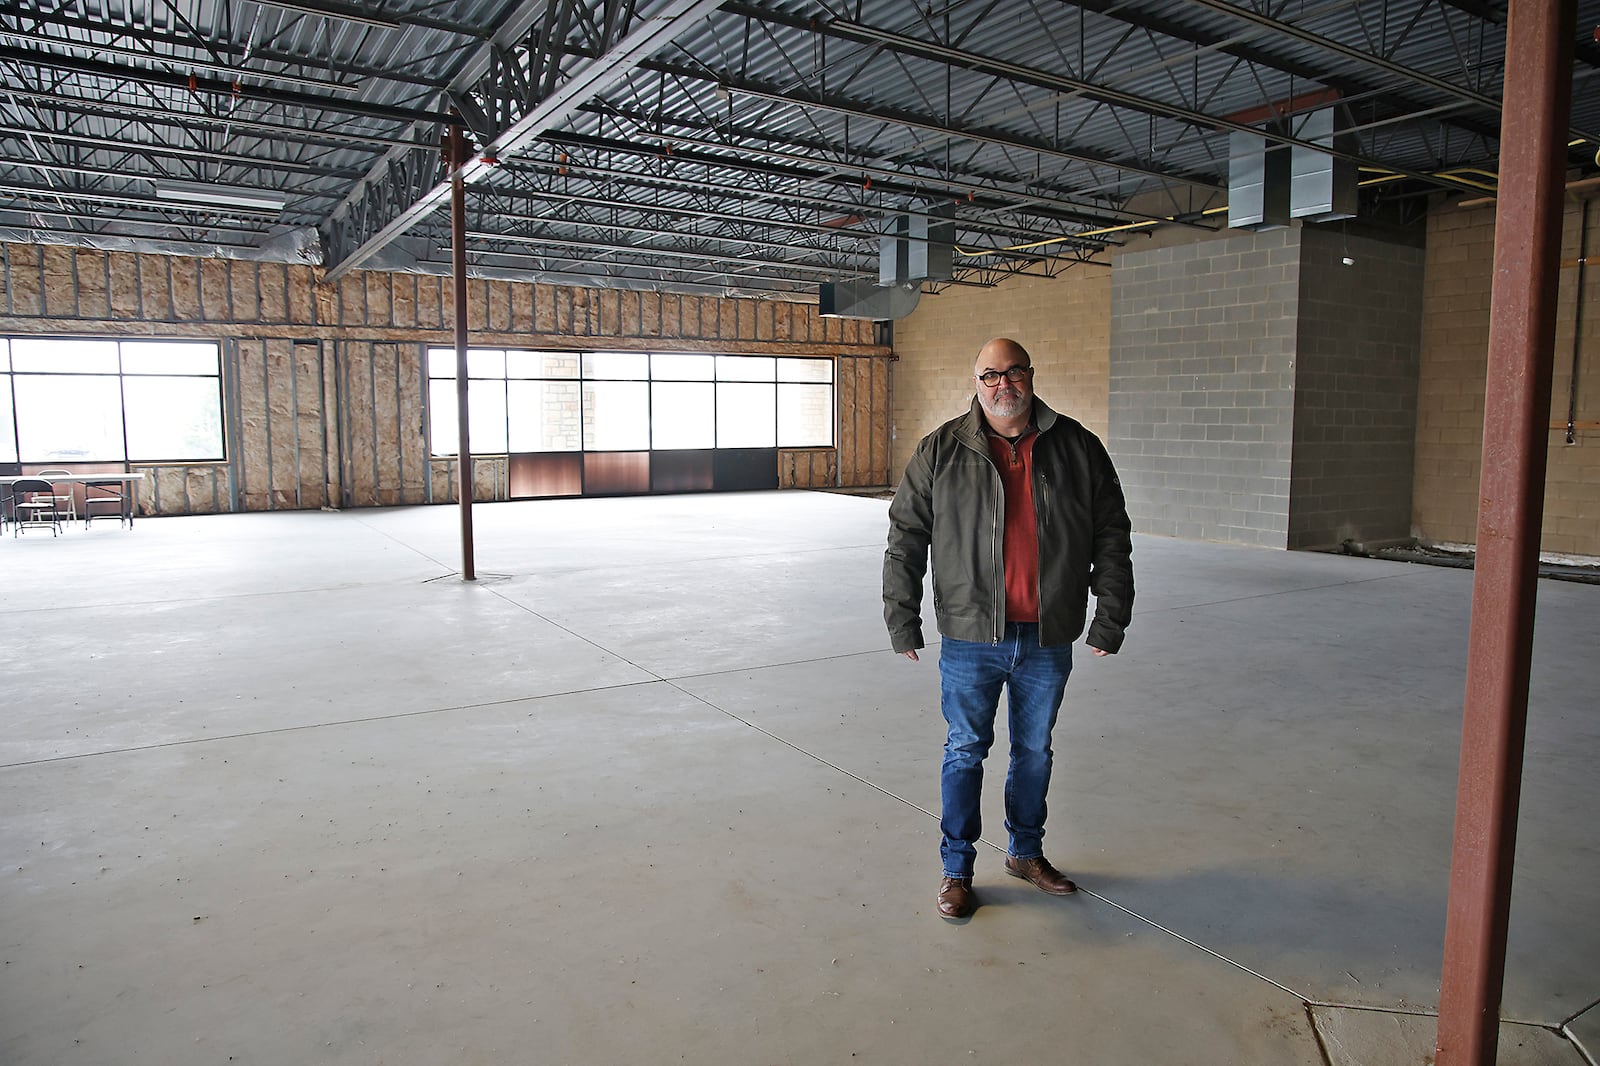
(323, 381)
(1064, 322)
(1455, 340)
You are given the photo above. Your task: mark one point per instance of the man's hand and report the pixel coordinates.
(1099, 653)
(912, 655)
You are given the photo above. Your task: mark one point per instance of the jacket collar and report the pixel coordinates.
(971, 426)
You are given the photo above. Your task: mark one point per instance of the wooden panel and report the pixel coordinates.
(532, 474)
(609, 312)
(614, 473)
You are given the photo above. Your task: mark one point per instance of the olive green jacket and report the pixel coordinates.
(950, 501)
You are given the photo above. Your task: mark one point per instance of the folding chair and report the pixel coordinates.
(66, 502)
(104, 494)
(33, 506)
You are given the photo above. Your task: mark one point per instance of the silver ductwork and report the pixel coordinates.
(1258, 182)
(863, 299)
(1270, 183)
(1323, 188)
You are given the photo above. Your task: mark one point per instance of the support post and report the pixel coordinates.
(1538, 91)
(457, 157)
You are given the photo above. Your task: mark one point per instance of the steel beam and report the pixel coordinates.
(214, 86)
(1369, 57)
(616, 61)
(1009, 71)
(1522, 314)
(853, 109)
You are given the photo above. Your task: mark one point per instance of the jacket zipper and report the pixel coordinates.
(1043, 516)
(994, 556)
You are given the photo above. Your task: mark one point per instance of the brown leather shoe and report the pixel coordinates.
(956, 899)
(1045, 878)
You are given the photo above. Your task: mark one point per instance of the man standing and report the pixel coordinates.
(1024, 516)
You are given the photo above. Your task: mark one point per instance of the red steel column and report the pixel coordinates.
(1536, 106)
(458, 244)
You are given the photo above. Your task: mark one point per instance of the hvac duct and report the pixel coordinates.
(1258, 182)
(862, 299)
(1323, 188)
(918, 247)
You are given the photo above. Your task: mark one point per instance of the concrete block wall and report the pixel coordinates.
(1340, 461)
(1454, 378)
(1202, 386)
(1357, 353)
(1061, 321)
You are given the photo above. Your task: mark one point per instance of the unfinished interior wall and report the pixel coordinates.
(1064, 323)
(1454, 371)
(1202, 386)
(862, 387)
(936, 343)
(324, 385)
(1357, 348)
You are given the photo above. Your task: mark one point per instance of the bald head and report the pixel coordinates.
(999, 353)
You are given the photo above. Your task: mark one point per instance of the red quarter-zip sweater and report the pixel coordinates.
(1020, 546)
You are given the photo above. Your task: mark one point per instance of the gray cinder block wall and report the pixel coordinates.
(1358, 354)
(1262, 392)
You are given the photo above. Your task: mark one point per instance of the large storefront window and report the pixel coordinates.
(526, 401)
(109, 401)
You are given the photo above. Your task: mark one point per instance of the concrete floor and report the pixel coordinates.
(278, 789)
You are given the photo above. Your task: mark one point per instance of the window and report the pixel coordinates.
(526, 401)
(109, 401)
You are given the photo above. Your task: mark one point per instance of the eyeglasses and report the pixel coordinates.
(1015, 373)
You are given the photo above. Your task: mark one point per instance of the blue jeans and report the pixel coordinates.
(971, 676)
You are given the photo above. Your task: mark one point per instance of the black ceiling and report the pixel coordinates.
(753, 146)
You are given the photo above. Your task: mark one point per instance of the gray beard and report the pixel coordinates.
(1002, 406)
